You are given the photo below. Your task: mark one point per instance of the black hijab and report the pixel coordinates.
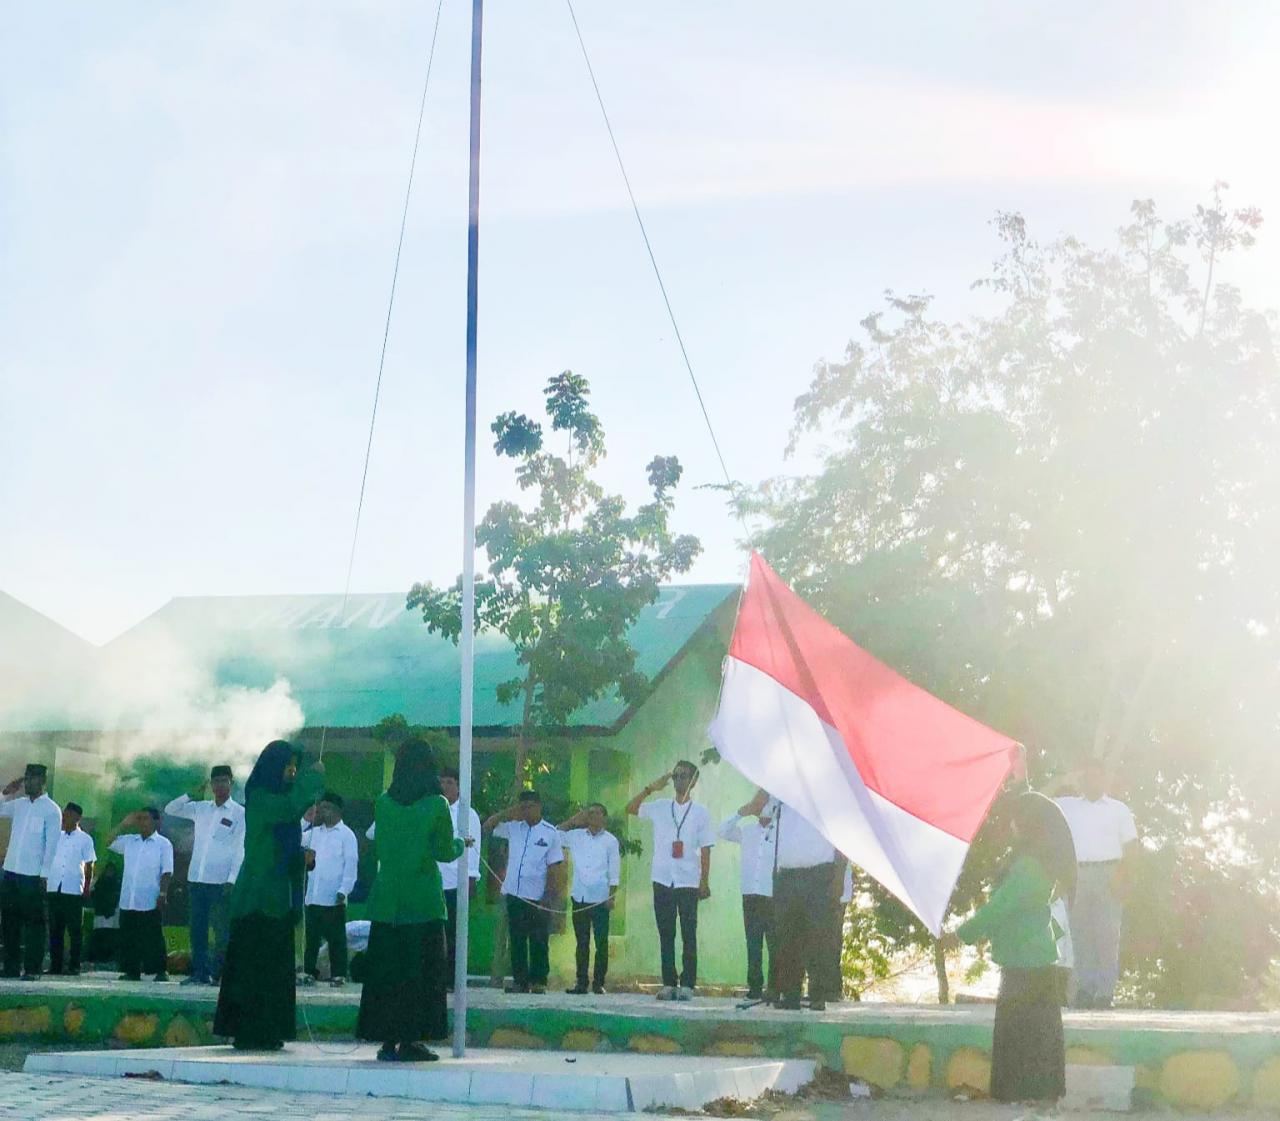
(268, 776)
(1043, 833)
(415, 775)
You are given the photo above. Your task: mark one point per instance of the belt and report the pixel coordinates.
(1097, 863)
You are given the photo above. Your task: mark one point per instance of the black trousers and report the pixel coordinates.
(801, 923)
(66, 918)
(141, 948)
(529, 933)
(670, 903)
(757, 920)
(22, 923)
(589, 919)
(326, 924)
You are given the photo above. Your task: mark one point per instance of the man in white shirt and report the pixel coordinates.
(807, 881)
(1106, 841)
(70, 881)
(333, 859)
(215, 862)
(144, 890)
(682, 840)
(597, 871)
(533, 886)
(33, 841)
(449, 872)
(755, 834)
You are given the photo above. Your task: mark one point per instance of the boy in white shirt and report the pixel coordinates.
(597, 868)
(756, 836)
(70, 882)
(333, 859)
(144, 891)
(216, 857)
(682, 842)
(533, 885)
(33, 840)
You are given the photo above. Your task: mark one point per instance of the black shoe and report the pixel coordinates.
(162, 976)
(515, 988)
(416, 1053)
(246, 1045)
(30, 977)
(387, 1053)
(130, 976)
(578, 990)
(598, 990)
(755, 994)
(817, 1006)
(789, 1004)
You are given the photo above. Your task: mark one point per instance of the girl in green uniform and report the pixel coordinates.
(1028, 1055)
(256, 1002)
(403, 999)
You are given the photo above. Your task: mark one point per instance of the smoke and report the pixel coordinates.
(163, 700)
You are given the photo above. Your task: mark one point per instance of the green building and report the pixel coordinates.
(204, 670)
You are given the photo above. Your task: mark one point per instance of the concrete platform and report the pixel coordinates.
(564, 1081)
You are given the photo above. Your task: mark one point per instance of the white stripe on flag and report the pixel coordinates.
(781, 744)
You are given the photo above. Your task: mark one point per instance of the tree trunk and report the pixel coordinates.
(940, 969)
(522, 744)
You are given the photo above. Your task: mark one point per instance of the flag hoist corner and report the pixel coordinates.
(896, 779)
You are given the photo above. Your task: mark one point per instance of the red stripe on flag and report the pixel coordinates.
(909, 747)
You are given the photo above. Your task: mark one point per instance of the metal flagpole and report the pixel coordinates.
(467, 638)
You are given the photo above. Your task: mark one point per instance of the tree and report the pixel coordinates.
(566, 578)
(1064, 518)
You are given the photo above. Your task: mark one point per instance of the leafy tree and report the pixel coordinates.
(1063, 516)
(567, 577)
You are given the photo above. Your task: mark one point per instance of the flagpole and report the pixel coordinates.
(466, 640)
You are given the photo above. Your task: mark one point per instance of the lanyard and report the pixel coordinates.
(679, 826)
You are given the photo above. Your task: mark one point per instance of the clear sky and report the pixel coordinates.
(199, 204)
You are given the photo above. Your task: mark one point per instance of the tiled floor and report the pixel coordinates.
(579, 1083)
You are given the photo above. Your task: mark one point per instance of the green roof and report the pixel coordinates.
(349, 669)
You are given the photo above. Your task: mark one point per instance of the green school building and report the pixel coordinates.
(348, 668)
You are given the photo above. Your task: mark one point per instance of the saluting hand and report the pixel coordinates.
(13, 787)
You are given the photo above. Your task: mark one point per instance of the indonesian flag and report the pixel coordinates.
(897, 780)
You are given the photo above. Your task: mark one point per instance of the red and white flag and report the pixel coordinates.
(893, 777)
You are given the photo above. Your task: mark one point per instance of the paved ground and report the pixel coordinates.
(45, 1098)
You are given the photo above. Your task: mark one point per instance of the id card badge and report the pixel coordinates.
(677, 850)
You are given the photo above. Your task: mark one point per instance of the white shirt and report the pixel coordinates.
(449, 871)
(33, 838)
(74, 851)
(337, 861)
(597, 864)
(219, 845)
(800, 845)
(1100, 829)
(689, 823)
(757, 852)
(846, 892)
(531, 851)
(145, 861)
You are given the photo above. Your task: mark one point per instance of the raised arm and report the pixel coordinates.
(509, 814)
(633, 807)
(574, 822)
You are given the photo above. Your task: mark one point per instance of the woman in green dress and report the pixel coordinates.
(256, 1003)
(403, 998)
(1028, 1053)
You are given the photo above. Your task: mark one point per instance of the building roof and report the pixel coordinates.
(349, 670)
(42, 665)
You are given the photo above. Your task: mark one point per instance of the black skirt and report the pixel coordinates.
(403, 998)
(256, 1001)
(1028, 1054)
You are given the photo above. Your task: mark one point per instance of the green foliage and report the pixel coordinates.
(567, 577)
(1064, 518)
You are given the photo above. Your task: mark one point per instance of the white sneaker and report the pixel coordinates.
(666, 993)
(684, 994)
